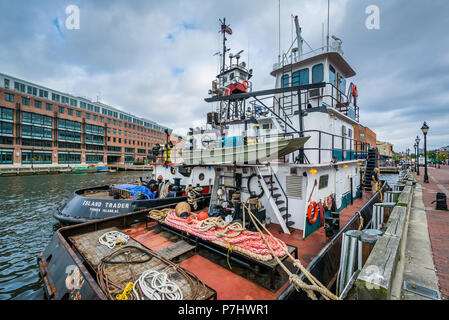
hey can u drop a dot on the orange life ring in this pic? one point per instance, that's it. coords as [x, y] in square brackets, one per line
[245, 84]
[313, 206]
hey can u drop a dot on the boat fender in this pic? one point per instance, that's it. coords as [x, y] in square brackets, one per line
[322, 213]
[245, 84]
[313, 207]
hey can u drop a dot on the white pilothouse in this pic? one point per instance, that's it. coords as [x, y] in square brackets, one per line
[292, 147]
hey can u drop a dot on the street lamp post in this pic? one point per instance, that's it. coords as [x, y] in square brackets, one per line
[425, 129]
[417, 140]
[407, 160]
[415, 146]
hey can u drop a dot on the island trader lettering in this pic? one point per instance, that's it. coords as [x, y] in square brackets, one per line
[107, 205]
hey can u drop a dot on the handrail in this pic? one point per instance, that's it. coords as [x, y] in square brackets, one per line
[283, 192]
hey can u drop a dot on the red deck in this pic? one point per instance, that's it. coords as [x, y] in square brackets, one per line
[230, 285]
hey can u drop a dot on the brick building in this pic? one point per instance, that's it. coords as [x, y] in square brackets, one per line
[365, 135]
[41, 126]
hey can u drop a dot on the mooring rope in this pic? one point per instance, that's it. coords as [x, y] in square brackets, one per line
[194, 195]
[113, 239]
[159, 214]
[294, 278]
[156, 286]
[158, 281]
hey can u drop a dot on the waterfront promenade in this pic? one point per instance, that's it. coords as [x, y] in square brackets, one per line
[438, 223]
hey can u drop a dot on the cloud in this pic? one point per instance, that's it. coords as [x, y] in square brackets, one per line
[146, 58]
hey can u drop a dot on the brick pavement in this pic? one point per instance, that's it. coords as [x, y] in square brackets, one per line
[438, 223]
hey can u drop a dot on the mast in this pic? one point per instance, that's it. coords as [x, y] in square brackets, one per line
[224, 29]
[328, 28]
[298, 36]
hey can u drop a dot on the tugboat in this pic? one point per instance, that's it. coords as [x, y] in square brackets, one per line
[166, 185]
[283, 166]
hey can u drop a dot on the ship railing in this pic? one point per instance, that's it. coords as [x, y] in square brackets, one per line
[327, 95]
[323, 147]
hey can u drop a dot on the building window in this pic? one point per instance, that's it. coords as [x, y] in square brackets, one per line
[87, 115]
[61, 110]
[25, 101]
[70, 112]
[95, 117]
[6, 83]
[317, 73]
[49, 106]
[101, 119]
[9, 97]
[19, 86]
[66, 158]
[73, 102]
[78, 114]
[362, 136]
[6, 113]
[33, 157]
[55, 97]
[115, 123]
[6, 156]
[43, 93]
[6, 128]
[90, 158]
[37, 104]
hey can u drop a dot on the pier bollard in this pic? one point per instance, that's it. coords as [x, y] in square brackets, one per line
[369, 238]
[350, 258]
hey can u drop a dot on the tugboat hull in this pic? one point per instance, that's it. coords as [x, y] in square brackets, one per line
[81, 209]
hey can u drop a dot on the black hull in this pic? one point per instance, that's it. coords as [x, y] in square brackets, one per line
[79, 209]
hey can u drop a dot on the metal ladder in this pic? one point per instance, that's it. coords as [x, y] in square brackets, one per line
[280, 207]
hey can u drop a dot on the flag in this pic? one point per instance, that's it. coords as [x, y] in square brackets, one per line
[225, 28]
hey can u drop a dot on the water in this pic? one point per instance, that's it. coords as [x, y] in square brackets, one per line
[27, 224]
[390, 178]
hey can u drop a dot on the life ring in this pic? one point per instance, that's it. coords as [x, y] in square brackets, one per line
[313, 206]
[245, 84]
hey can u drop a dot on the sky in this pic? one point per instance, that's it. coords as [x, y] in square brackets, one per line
[155, 59]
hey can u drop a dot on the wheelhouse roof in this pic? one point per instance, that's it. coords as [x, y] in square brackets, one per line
[334, 58]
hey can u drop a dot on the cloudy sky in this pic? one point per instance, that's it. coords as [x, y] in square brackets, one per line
[155, 59]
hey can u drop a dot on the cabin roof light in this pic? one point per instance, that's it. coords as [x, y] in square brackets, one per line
[313, 171]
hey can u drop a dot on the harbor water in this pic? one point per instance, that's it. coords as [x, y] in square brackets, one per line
[27, 223]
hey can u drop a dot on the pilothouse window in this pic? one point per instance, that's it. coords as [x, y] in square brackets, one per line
[300, 78]
[317, 73]
[285, 80]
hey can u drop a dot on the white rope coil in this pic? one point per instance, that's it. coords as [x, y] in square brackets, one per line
[113, 238]
[156, 286]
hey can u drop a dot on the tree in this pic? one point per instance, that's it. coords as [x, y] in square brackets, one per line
[442, 157]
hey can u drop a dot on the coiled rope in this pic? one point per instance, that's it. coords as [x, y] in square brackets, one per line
[113, 239]
[115, 291]
[159, 214]
[164, 188]
[156, 286]
[194, 195]
[295, 279]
